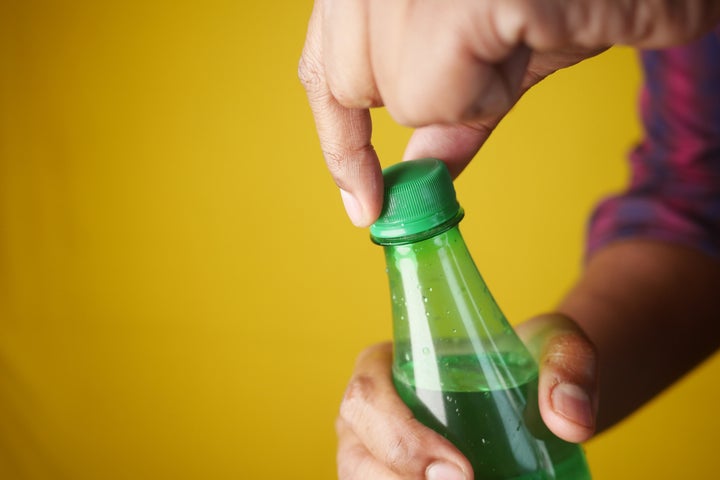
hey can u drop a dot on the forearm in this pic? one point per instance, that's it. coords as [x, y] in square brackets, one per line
[653, 312]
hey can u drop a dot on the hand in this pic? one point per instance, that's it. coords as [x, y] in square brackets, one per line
[454, 69]
[380, 439]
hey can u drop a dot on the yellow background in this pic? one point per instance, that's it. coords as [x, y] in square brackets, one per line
[181, 295]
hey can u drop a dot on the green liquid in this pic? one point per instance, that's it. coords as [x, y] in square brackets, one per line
[500, 431]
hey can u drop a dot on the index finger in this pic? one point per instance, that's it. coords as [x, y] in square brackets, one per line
[345, 134]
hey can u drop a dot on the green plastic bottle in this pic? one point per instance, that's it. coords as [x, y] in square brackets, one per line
[457, 362]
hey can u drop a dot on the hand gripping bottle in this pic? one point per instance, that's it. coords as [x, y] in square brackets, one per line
[457, 362]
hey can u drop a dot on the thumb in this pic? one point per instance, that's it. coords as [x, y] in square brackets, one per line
[568, 384]
[455, 144]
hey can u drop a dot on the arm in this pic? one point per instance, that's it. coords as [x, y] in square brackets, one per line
[651, 309]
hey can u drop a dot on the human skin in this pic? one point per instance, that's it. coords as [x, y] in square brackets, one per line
[453, 70]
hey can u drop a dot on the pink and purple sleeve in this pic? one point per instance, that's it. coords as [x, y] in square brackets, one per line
[674, 192]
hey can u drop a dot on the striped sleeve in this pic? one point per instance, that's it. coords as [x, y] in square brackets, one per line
[674, 192]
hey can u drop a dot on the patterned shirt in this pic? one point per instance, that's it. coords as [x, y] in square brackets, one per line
[674, 193]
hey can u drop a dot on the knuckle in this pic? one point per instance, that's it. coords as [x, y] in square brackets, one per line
[335, 158]
[358, 396]
[345, 161]
[573, 353]
[318, 80]
[310, 73]
[399, 451]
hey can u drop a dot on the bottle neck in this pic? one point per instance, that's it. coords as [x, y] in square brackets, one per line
[441, 305]
[436, 277]
[426, 274]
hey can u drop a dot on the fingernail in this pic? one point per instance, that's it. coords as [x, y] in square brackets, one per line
[573, 403]
[444, 471]
[352, 207]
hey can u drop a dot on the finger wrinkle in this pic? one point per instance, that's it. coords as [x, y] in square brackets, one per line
[358, 395]
[400, 451]
[339, 159]
[310, 72]
[568, 367]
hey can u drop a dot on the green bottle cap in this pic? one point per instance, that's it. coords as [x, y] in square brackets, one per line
[420, 202]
